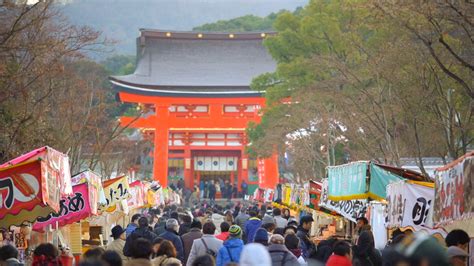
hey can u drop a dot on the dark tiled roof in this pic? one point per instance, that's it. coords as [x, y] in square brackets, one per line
[427, 161]
[183, 60]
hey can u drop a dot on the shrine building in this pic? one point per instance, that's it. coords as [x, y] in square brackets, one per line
[194, 93]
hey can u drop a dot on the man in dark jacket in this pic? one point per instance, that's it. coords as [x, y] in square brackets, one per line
[307, 246]
[171, 234]
[185, 226]
[142, 231]
[160, 226]
[188, 238]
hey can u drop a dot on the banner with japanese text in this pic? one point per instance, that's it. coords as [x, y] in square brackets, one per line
[96, 192]
[137, 195]
[26, 192]
[350, 209]
[348, 181]
[314, 194]
[454, 191]
[410, 204]
[116, 190]
[73, 208]
[56, 162]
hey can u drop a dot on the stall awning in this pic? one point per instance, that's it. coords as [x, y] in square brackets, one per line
[27, 191]
[72, 209]
[96, 195]
[57, 162]
[364, 180]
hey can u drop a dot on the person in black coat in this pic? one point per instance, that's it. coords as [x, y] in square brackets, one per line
[307, 246]
[171, 234]
[185, 225]
[212, 192]
[160, 226]
[325, 249]
[143, 231]
[364, 253]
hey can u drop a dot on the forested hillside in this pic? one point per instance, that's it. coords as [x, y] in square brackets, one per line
[244, 23]
[120, 20]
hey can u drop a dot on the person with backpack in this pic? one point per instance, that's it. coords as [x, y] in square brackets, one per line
[279, 253]
[207, 244]
[232, 248]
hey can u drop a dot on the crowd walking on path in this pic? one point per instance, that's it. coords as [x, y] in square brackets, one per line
[249, 235]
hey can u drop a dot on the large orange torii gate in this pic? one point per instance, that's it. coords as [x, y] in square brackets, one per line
[196, 117]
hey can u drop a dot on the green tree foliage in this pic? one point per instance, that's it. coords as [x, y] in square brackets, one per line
[364, 80]
[244, 24]
[240, 24]
[53, 95]
[120, 64]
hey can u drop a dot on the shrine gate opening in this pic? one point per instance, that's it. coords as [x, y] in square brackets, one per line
[194, 93]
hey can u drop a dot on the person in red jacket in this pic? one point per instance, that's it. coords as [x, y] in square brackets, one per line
[342, 255]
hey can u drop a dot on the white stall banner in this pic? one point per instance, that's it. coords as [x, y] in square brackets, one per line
[350, 209]
[409, 205]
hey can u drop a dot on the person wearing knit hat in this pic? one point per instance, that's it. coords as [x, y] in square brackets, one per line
[232, 248]
[235, 231]
[423, 249]
[261, 236]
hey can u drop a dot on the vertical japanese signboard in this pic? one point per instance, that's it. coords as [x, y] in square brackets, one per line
[454, 190]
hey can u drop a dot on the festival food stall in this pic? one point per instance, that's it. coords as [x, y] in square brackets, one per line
[32, 184]
[366, 183]
[115, 209]
[31, 187]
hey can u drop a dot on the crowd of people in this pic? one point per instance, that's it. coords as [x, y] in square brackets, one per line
[210, 190]
[249, 235]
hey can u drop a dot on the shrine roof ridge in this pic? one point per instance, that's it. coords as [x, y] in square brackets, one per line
[206, 35]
